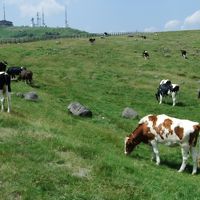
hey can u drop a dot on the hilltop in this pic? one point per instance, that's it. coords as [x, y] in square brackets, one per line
[31, 32]
[46, 153]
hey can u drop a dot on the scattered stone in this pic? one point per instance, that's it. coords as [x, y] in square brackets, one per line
[79, 110]
[31, 96]
[19, 94]
[129, 113]
[82, 173]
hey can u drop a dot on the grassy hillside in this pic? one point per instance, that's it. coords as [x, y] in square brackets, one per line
[45, 153]
[28, 32]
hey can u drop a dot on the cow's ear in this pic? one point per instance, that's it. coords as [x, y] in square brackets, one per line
[198, 127]
[126, 139]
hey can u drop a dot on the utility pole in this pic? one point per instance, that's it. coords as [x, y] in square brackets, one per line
[32, 22]
[4, 11]
[66, 21]
[38, 20]
[43, 23]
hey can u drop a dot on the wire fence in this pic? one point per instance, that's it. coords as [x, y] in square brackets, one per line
[51, 37]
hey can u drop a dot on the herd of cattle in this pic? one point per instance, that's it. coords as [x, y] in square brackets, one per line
[151, 129]
[154, 129]
[6, 75]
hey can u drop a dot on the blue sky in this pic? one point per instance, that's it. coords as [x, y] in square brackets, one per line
[100, 16]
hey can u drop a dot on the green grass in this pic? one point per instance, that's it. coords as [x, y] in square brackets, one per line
[28, 32]
[46, 153]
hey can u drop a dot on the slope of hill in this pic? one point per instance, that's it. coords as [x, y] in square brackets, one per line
[28, 32]
[45, 153]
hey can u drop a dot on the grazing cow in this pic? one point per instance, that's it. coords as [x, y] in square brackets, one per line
[143, 36]
[92, 40]
[167, 88]
[13, 71]
[184, 53]
[5, 90]
[3, 65]
[145, 54]
[26, 75]
[154, 129]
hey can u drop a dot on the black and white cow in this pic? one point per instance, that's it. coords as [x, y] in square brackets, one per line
[145, 54]
[5, 88]
[167, 88]
[92, 40]
[184, 54]
[3, 65]
[15, 70]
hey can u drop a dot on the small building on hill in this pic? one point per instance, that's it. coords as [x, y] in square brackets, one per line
[5, 23]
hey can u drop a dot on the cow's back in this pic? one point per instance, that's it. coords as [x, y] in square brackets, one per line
[168, 129]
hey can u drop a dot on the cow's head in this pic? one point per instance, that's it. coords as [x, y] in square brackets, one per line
[129, 146]
[131, 141]
[141, 134]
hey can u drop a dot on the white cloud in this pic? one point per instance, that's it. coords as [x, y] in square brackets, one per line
[31, 7]
[172, 25]
[192, 21]
[151, 29]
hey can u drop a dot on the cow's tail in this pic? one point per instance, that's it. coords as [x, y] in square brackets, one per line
[198, 161]
[157, 94]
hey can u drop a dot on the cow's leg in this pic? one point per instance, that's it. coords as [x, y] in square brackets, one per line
[185, 155]
[8, 101]
[155, 151]
[161, 97]
[194, 158]
[174, 98]
[2, 100]
[153, 155]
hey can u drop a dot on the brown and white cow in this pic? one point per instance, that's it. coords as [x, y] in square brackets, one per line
[156, 129]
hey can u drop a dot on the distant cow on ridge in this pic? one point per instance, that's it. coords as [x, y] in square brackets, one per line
[92, 40]
[184, 54]
[145, 54]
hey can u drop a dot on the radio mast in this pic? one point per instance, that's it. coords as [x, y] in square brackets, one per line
[43, 23]
[66, 21]
[4, 11]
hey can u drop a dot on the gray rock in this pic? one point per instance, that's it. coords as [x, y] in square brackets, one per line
[79, 110]
[19, 94]
[31, 96]
[129, 113]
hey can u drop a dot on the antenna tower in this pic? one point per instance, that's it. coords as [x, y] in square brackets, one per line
[43, 23]
[66, 21]
[38, 19]
[4, 11]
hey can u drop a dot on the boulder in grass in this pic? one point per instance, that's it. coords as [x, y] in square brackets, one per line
[129, 113]
[79, 110]
[31, 96]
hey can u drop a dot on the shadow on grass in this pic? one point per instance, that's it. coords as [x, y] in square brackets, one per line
[179, 104]
[176, 166]
[170, 164]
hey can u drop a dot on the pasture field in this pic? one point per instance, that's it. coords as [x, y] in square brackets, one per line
[46, 153]
[30, 32]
